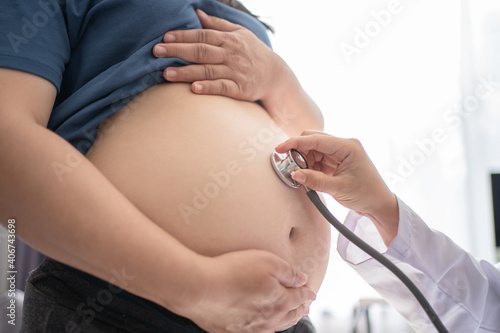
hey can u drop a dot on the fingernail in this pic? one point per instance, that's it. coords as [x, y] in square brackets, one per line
[169, 38]
[171, 73]
[197, 87]
[160, 51]
[299, 177]
[301, 278]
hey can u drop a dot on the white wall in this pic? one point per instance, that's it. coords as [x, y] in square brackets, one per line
[481, 126]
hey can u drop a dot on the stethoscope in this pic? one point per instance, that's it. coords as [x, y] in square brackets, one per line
[285, 165]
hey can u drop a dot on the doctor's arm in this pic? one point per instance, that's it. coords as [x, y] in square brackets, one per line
[82, 220]
[464, 291]
[231, 61]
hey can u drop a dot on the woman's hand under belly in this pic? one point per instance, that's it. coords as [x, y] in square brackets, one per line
[199, 167]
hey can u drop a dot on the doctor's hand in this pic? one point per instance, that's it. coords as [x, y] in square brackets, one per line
[341, 168]
[248, 291]
[228, 59]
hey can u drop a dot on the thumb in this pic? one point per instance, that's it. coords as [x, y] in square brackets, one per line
[315, 180]
[215, 23]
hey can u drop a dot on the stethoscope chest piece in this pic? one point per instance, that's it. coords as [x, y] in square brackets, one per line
[286, 164]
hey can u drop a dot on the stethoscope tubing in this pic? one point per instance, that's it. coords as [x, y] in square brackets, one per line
[434, 318]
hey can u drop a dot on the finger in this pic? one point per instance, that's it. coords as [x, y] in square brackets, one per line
[293, 317]
[298, 314]
[215, 23]
[303, 140]
[210, 34]
[205, 36]
[197, 53]
[294, 298]
[322, 143]
[193, 73]
[284, 147]
[316, 180]
[222, 87]
[287, 275]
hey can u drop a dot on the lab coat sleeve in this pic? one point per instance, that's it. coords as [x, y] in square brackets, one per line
[464, 291]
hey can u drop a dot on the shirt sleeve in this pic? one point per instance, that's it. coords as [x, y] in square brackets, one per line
[464, 291]
[34, 38]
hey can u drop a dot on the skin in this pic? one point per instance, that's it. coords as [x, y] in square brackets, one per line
[241, 283]
[182, 142]
[341, 168]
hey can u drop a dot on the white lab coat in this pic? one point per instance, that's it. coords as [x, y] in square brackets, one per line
[464, 291]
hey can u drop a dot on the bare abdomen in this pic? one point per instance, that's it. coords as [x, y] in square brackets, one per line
[199, 167]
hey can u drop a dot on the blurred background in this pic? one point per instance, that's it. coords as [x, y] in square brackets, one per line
[418, 82]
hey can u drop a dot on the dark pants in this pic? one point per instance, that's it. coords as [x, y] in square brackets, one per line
[61, 299]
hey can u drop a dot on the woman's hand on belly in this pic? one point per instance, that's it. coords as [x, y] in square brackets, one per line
[231, 61]
[248, 291]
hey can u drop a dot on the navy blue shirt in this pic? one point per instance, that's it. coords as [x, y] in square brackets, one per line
[98, 53]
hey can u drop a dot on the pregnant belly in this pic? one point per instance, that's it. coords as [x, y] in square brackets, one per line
[199, 167]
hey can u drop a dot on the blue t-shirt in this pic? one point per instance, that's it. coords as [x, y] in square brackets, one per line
[98, 53]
